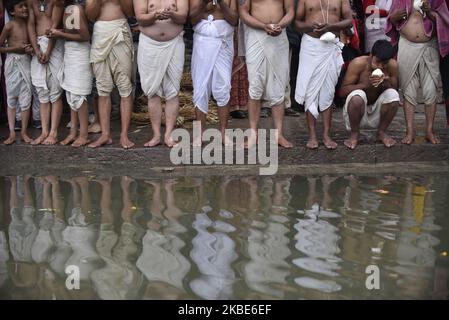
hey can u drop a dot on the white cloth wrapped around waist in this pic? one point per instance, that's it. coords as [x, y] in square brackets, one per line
[18, 67]
[40, 73]
[106, 35]
[161, 65]
[213, 52]
[319, 67]
[76, 73]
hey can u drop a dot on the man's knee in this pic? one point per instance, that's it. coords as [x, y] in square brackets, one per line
[356, 103]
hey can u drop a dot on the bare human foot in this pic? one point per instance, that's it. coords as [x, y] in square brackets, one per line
[126, 143]
[94, 128]
[39, 140]
[25, 138]
[312, 143]
[11, 139]
[50, 140]
[153, 142]
[284, 142]
[329, 143]
[352, 142]
[169, 142]
[409, 138]
[80, 142]
[386, 140]
[432, 138]
[70, 138]
[103, 140]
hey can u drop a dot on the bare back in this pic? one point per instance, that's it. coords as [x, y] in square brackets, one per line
[162, 30]
[413, 30]
[110, 10]
[267, 11]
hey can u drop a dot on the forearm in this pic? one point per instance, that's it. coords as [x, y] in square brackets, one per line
[147, 19]
[73, 37]
[287, 20]
[231, 16]
[250, 21]
[342, 25]
[179, 17]
[93, 9]
[32, 36]
[346, 90]
[304, 27]
[18, 50]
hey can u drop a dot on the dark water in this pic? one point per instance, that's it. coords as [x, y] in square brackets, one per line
[280, 237]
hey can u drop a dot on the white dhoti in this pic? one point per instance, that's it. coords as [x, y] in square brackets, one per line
[76, 74]
[44, 76]
[319, 67]
[371, 117]
[161, 66]
[18, 80]
[268, 65]
[212, 57]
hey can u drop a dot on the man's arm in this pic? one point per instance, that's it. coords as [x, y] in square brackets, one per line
[31, 28]
[93, 9]
[230, 12]
[392, 80]
[247, 18]
[83, 32]
[196, 9]
[346, 21]
[351, 79]
[127, 7]
[144, 19]
[289, 8]
[300, 24]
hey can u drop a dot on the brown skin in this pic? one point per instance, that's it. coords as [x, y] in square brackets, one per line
[271, 16]
[224, 10]
[310, 20]
[80, 35]
[358, 77]
[162, 20]
[413, 31]
[16, 35]
[108, 10]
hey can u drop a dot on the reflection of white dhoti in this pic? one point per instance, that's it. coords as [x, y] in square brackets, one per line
[212, 57]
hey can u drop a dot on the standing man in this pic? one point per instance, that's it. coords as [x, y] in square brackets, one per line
[212, 57]
[320, 61]
[45, 15]
[267, 48]
[160, 60]
[423, 33]
[112, 56]
[371, 101]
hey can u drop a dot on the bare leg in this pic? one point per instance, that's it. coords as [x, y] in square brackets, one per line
[311, 123]
[95, 126]
[45, 109]
[104, 109]
[430, 118]
[387, 113]
[200, 116]
[356, 110]
[155, 111]
[253, 115]
[278, 118]
[73, 129]
[127, 209]
[11, 120]
[56, 112]
[126, 107]
[409, 110]
[171, 113]
[223, 117]
[83, 116]
[25, 119]
[327, 122]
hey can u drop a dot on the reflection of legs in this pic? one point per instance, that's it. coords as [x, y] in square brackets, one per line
[171, 113]
[105, 202]
[155, 111]
[46, 195]
[126, 107]
[172, 212]
[311, 196]
[156, 206]
[387, 113]
[327, 198]
[127, 209]
[253, 200]
[28, 197]
[13, 201]
[281, 196]
[278, 118]
[85, 202]
[56, 196]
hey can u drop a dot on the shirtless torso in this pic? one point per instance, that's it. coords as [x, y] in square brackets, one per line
[199, 10]
[167, 25]
[45, 15]
[413, 30]
[316, 14]
[267, 11]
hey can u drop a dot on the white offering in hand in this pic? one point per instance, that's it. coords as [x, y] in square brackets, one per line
[328, 37]
[417, 4]
[377, 73]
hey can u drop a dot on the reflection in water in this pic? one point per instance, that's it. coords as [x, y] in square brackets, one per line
[224, 237]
